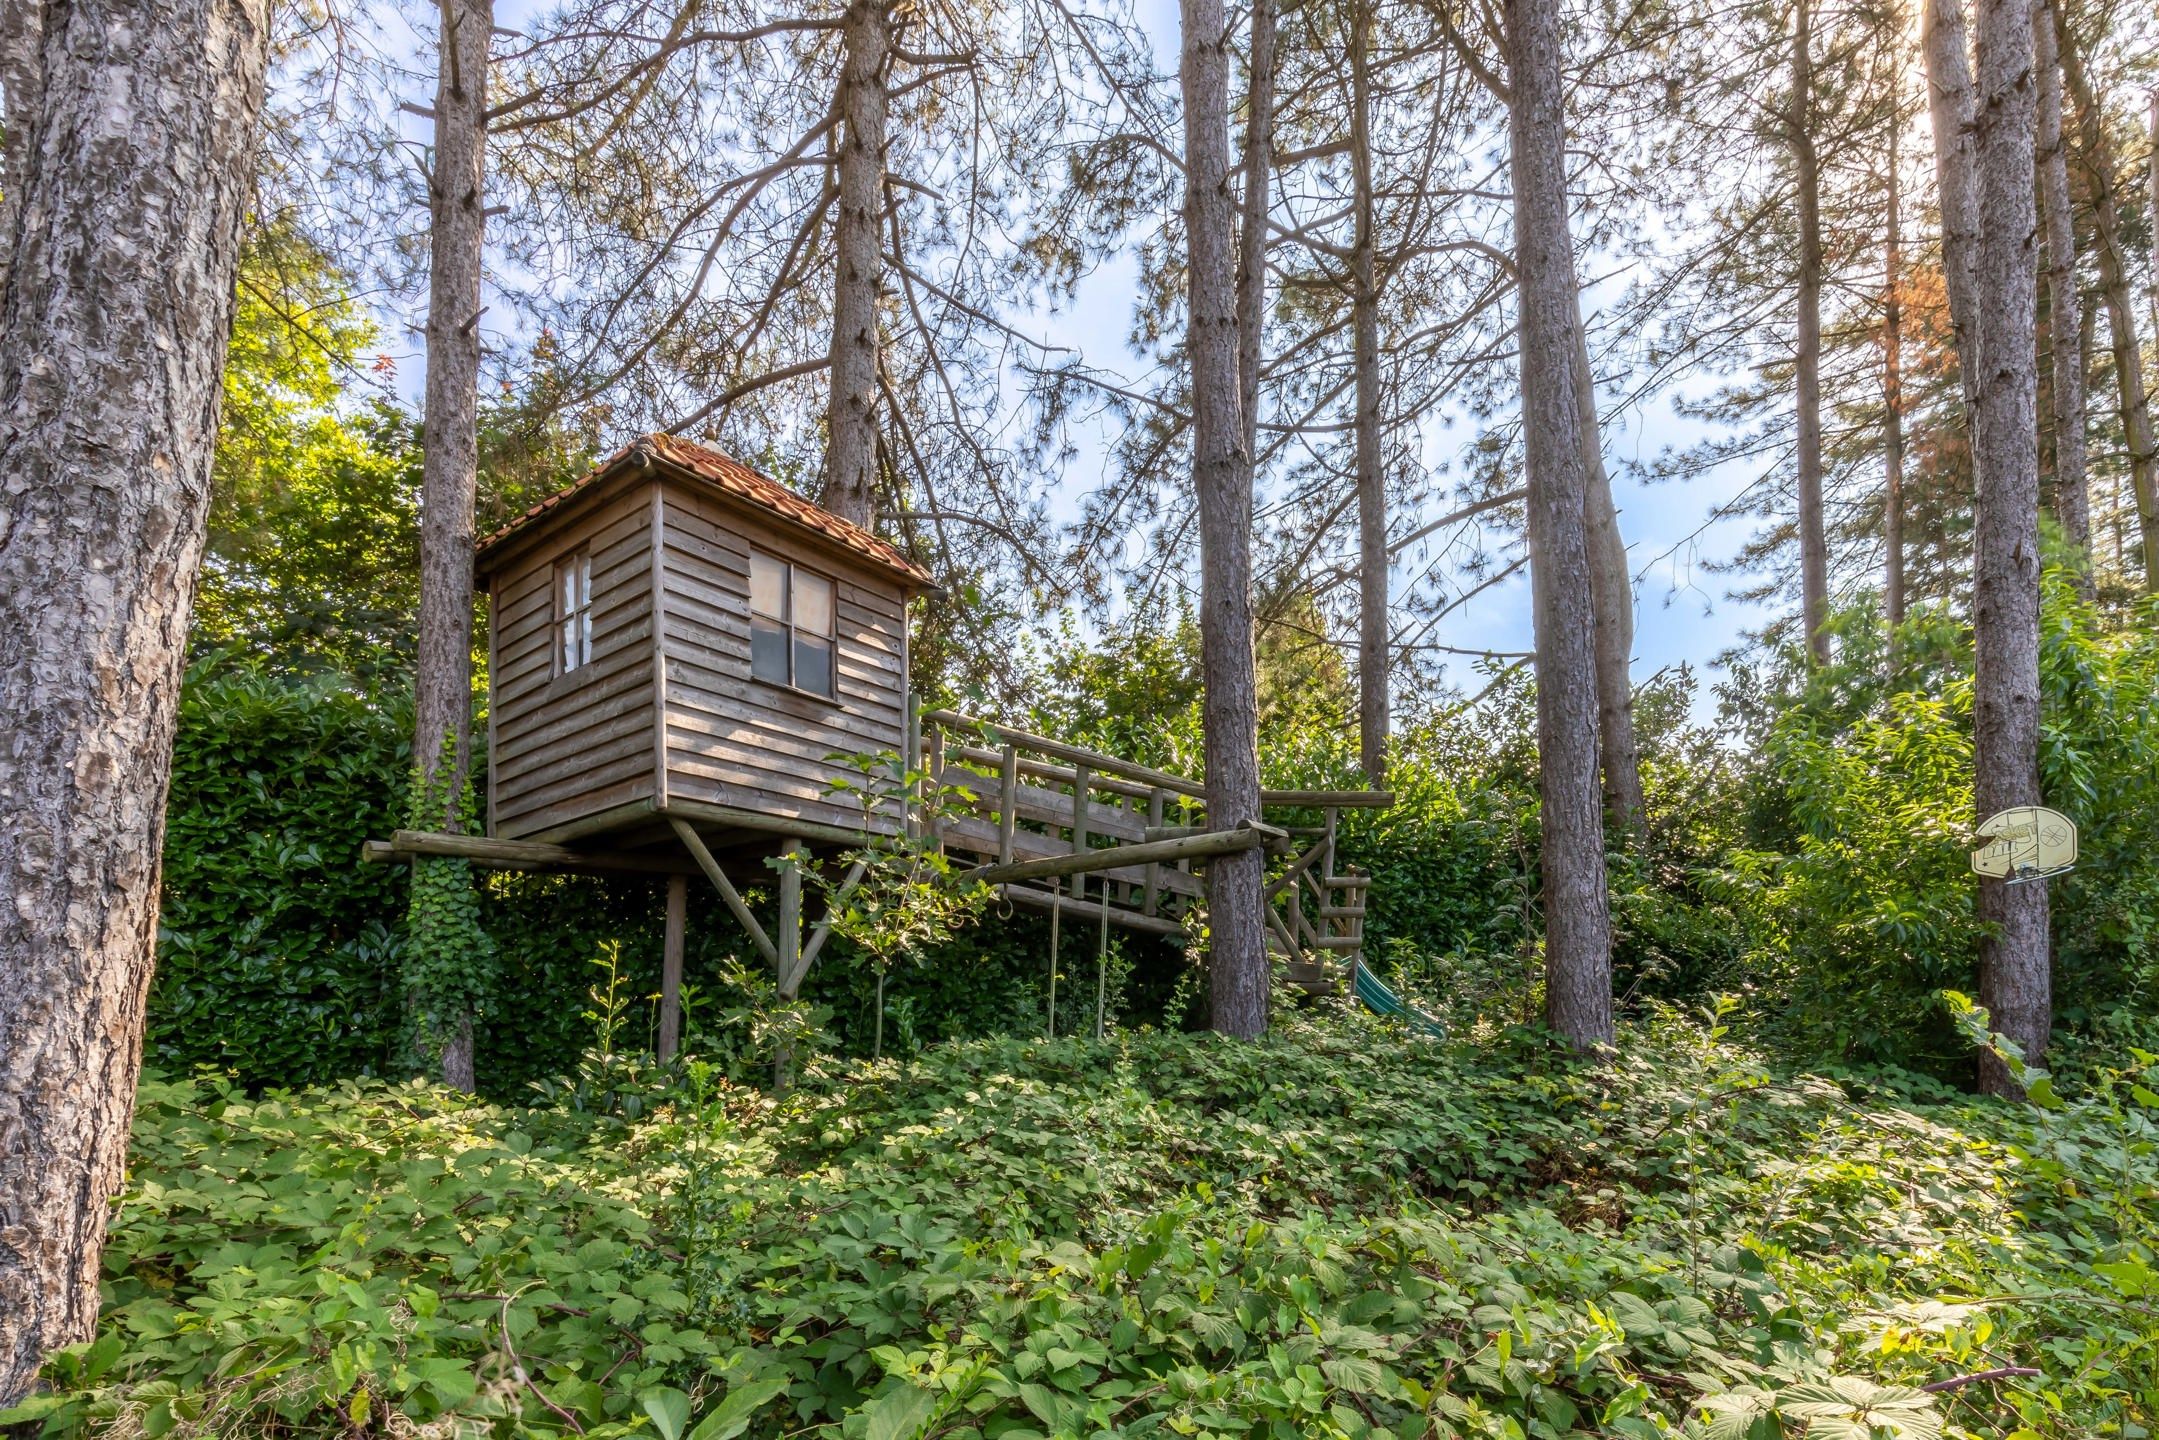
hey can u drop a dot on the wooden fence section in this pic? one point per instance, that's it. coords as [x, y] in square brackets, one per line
[1014, 796]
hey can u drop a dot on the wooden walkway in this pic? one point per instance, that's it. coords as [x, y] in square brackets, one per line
[1055, 825]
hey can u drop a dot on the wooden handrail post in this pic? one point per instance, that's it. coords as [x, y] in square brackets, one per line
[1008, 801]
[911, 763]
[1081, 777]
[1154, 869]
[933, 761]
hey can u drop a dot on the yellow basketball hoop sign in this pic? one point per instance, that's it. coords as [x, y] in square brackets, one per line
[2025, 842]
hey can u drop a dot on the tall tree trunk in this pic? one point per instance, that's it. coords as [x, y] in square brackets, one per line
[1611, 590]
[1893, 583]
[858, 271]
[1221, 476]
[442, 691]
[2014, 975]
[2096, 157]
[1949, 106]
[1806, 165]
[2072, 495]
[132, 143]
[1577, 916]
[2151, 180]
[22, 64]
[1374, 704]
[1252, 229]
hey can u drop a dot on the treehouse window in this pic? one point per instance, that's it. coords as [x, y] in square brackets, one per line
[573, 612]
[790, 625]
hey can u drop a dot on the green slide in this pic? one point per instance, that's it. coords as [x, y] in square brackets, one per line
[1379, 998]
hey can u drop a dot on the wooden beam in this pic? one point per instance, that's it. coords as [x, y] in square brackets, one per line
[1297, 867]
[1186, 847]
[1336, 799]
[1129, 919]
[1275, 834]
[739, 819]
[678, 901]
[695, 844]
[492, 854]
[1072, 754]
[789, 961]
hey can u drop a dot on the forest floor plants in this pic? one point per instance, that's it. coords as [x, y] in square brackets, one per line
[1341, 1231]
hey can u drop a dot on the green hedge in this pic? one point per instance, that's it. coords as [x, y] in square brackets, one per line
[279, 951]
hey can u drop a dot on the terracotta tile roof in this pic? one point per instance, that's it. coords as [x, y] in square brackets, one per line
[737, 479]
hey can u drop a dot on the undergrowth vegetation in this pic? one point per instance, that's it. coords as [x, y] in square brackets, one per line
[1342, 1231]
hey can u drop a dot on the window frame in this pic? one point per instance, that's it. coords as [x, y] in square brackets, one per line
[789, 629]
[576, 562]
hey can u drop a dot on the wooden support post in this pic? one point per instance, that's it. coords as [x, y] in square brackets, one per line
[933, 763]
[789, 959]
[1008, 802]
[1080, 779]
[1154, 869]
[678, 900]
[1101, 968]
[911, 763]
[735, 903]
[1056, 915]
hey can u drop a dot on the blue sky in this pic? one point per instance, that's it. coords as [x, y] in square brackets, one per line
[1683, 613]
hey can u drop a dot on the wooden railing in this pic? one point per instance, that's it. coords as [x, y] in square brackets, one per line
[1029, 798]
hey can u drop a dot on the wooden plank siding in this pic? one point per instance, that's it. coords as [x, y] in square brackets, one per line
[566, 746]
[734, 740]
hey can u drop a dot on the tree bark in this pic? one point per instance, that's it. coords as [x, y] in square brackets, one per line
[1893, 582]
[442, 686]
[1949, 105]
[1577, 918]
[2095, 157]
[1611, 590]
[1807, 171]
[1237, 942]
[22, 66]
[132, 143]
[1252, 234]
[2072, 495]
[858, 268]
[2015, 982]
[1374, 705]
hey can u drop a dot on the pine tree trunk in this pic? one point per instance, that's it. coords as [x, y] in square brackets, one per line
[858, 270]
[1237, 941]
[442, 687]
[22, 64]
[1252, 231]
[1577, 918]
[2072, 496]
[1373, 700]
[1949, 105]
[2095, 157]
[1806, 165]
[130, 163]
[1611, 589]
[2014, 969]
[1893, 582]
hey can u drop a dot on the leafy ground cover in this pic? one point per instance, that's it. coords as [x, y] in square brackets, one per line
[1344, 1231]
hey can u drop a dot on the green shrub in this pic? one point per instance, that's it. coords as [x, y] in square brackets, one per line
[1343, 1231]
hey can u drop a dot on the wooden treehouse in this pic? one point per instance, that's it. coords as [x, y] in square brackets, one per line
[684, 654]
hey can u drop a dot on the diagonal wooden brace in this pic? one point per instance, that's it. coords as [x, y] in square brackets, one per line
[735, 903]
